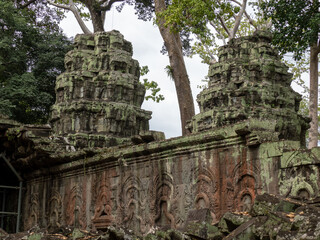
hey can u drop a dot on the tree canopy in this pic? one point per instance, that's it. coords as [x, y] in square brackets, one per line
[32, 50]
[211, 22]
[295, 24]
[295, 29]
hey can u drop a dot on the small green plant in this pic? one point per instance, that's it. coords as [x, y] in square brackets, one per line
[169, 72]
[12, 133]
[151, 86]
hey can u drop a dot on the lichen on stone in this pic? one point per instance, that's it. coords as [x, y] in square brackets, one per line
[250, 82]
[99, 97]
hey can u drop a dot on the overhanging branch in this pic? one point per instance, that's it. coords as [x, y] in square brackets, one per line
[71, 7]
[238, 20]
[106, 6]
[251, 21]
[26, 4]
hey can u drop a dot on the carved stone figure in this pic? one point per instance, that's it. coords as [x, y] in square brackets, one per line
[103, 216]
[74, 213]
[54, 213]
[206, 189]
[161, 197]
[132, 205]
[32, 218]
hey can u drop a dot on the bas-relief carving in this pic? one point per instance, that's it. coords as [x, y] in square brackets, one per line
[103, 216]
[160, 197]
[206, 190]
[230, 195]
[302, 181]
[181, 203]
[246, 185]
[132, 205]
[32, 217]
[75, 209]
[54, 210]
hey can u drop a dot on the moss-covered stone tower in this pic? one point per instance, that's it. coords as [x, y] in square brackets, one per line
[250, 82]
[99, 96]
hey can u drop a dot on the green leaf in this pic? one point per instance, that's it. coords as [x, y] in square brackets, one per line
[151, 87]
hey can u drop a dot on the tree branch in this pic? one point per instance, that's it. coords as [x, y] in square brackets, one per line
[224, 25]
[219, 32]
[238, 20]
[27, 4]
[71, 7]
[251, 21]
[213, 59]
[58, 5]
[109, 5]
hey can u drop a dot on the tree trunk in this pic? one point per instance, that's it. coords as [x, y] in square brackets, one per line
[97, 19]
[313, 98]
[173, 44]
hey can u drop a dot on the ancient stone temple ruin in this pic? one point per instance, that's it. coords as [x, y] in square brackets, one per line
[99, 96]
[100, 166]
[251, 82]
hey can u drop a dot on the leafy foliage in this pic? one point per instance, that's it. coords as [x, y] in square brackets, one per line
[298, 68]
[151, 86]
[211, 22]
[32, 50]
[295, 24]
[295, 29]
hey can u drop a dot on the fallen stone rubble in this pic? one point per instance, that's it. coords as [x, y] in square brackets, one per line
[76, 234]
[271, 217]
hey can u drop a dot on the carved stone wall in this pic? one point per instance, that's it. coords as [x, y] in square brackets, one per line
[247, 140]
[159, 184]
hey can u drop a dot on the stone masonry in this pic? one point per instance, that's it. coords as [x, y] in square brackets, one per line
[247, 140]
[99, 96]
[250, 82]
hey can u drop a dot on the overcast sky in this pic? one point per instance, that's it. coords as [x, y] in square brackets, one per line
[147, 43]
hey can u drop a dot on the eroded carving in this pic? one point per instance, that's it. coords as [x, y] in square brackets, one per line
[132, 205]
[33, 214]
[75, 214]
[246, 183]
[205, 190]
[103, 211]
[54, 214]
[161, 195]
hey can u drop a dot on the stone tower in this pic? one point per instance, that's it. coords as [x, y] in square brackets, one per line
[249, 82]
[99, 96]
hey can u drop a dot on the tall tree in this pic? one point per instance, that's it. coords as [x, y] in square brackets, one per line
[173, 45]
[295, 28]
[32, 50]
